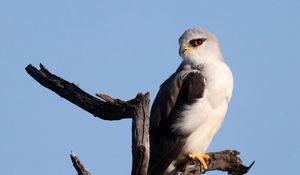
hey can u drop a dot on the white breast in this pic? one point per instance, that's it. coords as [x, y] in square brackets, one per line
[202, 120]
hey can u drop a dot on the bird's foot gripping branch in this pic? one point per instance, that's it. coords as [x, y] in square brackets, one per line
[108, 108]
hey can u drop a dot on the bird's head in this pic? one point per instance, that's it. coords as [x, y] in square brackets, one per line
[198, 46]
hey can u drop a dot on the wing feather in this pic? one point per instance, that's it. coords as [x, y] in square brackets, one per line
[184, 87]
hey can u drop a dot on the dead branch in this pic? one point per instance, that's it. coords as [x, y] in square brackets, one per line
[108, 108]
[113, 109]
[227, 160]
[78, 165]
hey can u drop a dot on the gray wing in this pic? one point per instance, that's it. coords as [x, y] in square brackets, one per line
[182, 88]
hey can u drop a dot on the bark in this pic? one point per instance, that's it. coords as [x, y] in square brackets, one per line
[227, 160]
[108, 108]
[78, 165]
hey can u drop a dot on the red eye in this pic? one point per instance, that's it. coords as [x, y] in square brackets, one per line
[197, 42]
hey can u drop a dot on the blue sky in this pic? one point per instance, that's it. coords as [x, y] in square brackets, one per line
[125, 47]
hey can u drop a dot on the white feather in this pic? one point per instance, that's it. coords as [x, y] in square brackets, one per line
[202, 120]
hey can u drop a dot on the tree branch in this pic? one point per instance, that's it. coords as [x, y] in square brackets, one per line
[78, 165]
[140, 136]
[227, 160]
[108, 108]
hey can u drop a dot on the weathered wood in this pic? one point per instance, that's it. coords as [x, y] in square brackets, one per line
[78, 165]
[108, 108]
[140, 136]
[227, 160]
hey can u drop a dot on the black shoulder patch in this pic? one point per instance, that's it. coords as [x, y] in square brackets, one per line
[193, 87]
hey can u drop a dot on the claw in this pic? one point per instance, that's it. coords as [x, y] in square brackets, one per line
[202, 158]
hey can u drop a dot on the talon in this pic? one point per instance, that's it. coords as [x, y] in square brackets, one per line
[202, 158]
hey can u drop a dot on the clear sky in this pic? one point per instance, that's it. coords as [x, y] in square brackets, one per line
[125, 47]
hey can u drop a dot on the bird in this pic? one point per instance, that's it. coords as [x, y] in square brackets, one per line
[190, 105]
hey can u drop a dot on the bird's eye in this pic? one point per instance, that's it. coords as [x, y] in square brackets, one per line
[197, 42]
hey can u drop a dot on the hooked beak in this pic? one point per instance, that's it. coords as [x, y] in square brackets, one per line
[183, 48]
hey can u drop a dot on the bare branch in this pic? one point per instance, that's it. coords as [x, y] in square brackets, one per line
[140, 136]
[227, 160]
[106, 98]
[106, 109]
[78, 165]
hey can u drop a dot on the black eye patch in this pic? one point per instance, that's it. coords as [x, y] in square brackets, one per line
[197, 42]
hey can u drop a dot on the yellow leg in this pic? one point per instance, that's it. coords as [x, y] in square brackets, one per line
[202, 158]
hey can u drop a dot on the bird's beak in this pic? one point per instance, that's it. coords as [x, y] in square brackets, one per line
[183, 48]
